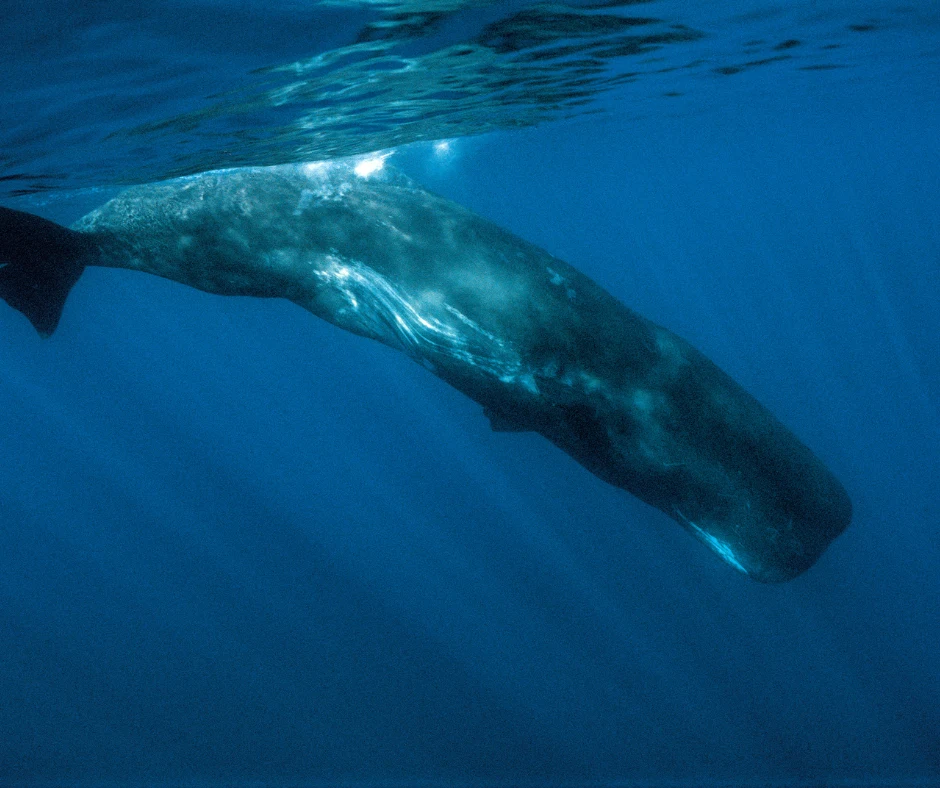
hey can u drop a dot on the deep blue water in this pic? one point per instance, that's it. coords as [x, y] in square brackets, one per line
[238, 544]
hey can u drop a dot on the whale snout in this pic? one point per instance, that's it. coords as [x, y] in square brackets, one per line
[791, 541]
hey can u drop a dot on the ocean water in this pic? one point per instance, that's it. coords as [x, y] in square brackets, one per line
[239, 546]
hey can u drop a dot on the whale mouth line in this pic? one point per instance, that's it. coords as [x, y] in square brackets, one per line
[718, 546]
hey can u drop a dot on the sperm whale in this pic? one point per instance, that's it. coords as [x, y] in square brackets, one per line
[539, 345]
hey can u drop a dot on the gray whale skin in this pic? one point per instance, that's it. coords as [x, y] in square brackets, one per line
[539, 345]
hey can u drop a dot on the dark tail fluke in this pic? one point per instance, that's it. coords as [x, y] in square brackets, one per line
[39, 262]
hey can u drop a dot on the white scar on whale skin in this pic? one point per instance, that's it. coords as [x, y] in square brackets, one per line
[377, 308]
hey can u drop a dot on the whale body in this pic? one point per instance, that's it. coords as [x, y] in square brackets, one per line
[538, 344]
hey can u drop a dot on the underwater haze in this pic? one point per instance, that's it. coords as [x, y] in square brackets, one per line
[239, 546]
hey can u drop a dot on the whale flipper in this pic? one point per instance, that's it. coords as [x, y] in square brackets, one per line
[40, 261]
[506, 421]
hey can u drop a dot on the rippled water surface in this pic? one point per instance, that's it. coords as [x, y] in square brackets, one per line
[117, 92]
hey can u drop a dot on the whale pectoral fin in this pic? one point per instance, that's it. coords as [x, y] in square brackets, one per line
[501, 421]
[40, 261]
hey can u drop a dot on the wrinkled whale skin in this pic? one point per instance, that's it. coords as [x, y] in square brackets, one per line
[539, 345]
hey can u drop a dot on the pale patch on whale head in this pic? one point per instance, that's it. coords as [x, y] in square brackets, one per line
[643, 401]
[558, 280]
[670, 351]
